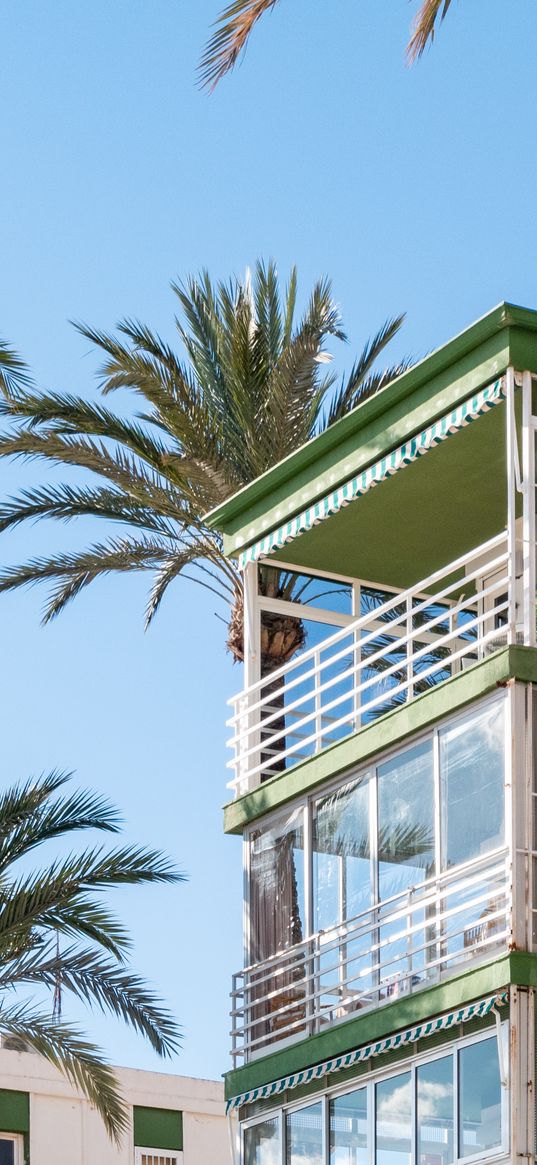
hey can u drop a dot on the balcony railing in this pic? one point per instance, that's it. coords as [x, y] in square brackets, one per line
[396, 947]
[414, 640]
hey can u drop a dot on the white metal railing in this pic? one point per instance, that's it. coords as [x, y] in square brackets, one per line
[395, 947]
[381, 659]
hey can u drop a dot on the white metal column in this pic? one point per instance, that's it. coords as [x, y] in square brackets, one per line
[528, 523]
[511, 499]
[522, 1068]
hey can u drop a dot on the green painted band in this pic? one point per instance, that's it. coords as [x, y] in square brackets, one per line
[390, 1043]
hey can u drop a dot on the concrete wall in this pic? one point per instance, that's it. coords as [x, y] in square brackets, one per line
[65, 1130]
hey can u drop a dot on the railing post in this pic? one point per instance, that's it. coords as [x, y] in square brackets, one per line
[409, 650]
[528, 503]
[318, 701]
[511, 457]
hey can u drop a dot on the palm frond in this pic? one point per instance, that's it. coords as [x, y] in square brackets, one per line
[431, 13]
[14, 375]
[361, 382]
[97, 981]
[233, 29]
[79, 1060]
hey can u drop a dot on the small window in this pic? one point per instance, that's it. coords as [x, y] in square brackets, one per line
[156, 1157]
[10, 1149]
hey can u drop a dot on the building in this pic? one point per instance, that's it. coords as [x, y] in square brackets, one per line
[383, 777]
[176, 1120]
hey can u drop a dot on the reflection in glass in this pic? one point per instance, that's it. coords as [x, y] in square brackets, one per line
[305, 1136]
[341, 857]
[262, 1143]
[348, 1129]
[435, 1112]
[277, 886]
[405, 858]
[472, 765]
[479, 1098]
[342, 889]
[394, 1121]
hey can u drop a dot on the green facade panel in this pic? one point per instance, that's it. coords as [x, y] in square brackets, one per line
[14, 1111]
[515, 968]
[158, 1128]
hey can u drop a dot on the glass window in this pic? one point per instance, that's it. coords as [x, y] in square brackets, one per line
[348, 1129]
[435, 1112]
[330, 594]
[263, 1144]
[7, 1152]
[394, 1121]
[479, 1098]
[472, 766]
[277, 886]
[406, 858]
[305, 1136]
[341, 857]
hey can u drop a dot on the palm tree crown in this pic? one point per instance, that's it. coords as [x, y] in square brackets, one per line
[65, 900]
[252, 386]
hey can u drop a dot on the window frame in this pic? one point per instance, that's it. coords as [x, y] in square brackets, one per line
[17, 1140]
[373, 1078]
[369, 772]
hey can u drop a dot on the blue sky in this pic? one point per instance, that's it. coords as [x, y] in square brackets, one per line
[413, 189]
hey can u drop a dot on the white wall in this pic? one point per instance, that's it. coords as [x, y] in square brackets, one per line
[65, 1130]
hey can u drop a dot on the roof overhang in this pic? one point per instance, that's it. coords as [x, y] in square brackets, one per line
[442, 381]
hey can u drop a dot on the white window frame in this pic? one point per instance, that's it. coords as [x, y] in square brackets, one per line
[370, 1081]
[175, 1156]
[18, 1141]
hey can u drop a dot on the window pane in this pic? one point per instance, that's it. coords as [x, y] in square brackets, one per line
[330, 594]
[406, 852]
[7, 1152]
[394, 1121]
[472, 766]
[276, 908]
[479, 1098]
[305, 1136]
[262, 1144]
[277, 886]
[435, 1112]
[341, 859]
[348, 1129]
[342, 891]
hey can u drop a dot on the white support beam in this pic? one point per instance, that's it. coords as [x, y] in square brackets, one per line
[528, 500]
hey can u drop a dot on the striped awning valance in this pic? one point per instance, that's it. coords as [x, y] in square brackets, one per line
[356, 487]
[421, 1031]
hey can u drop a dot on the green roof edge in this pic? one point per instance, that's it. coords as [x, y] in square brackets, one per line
[504, 315]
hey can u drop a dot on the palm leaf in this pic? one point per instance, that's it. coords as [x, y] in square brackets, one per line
[431, 13]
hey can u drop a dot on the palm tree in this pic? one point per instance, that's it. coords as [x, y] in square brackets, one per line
[64, 899]
[236, 22]
[252, 389]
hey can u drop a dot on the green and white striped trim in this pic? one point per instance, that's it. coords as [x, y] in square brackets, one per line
[464, 413]
[401, 1039]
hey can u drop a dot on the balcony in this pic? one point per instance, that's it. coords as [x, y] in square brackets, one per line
[401, 945]
[406, 643]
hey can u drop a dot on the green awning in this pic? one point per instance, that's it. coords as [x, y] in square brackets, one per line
[421, 1031]
[464, 413]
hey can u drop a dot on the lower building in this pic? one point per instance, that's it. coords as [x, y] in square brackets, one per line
[175, 1120]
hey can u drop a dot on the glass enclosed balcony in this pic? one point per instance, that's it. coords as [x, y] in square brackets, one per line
[385, 882]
